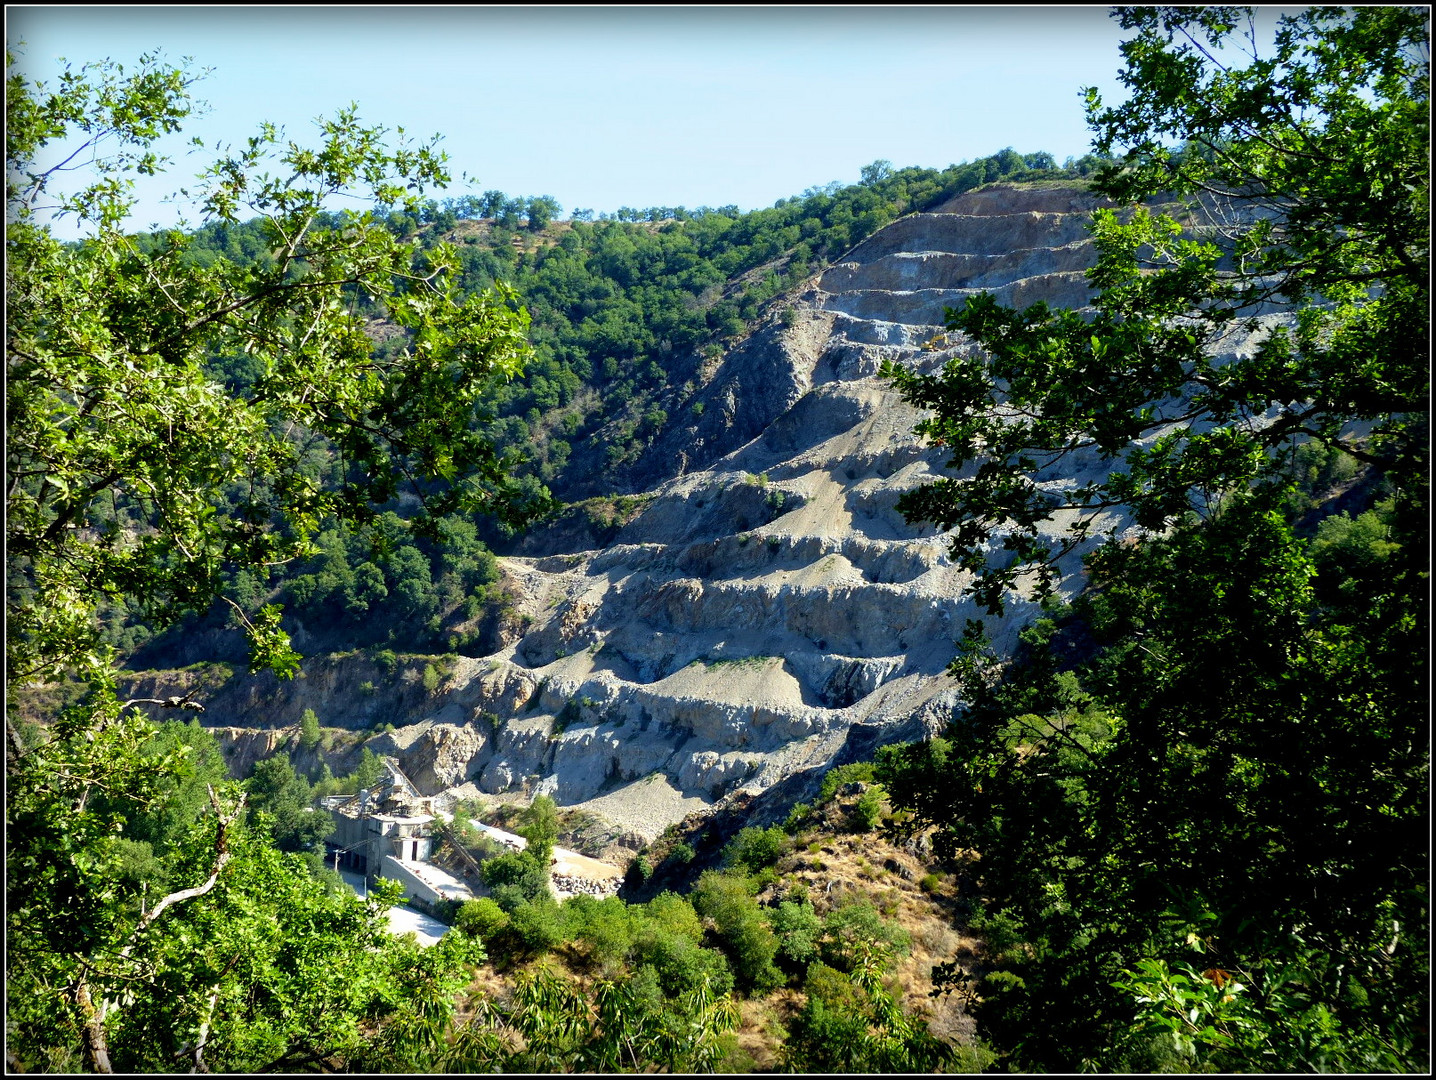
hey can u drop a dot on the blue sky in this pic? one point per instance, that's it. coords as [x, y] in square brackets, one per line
[603, 107]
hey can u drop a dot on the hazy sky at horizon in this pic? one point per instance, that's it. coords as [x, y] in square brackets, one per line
[603, 107]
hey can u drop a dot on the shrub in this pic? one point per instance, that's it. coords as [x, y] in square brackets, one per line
[727, 898]
[680, 964]
[846, 1028]
[797, 818]
[446, 911]
[639, 870]
[537, 926]
[674, 913]
[137, 864]
[833, 988]
[538, 824]
[567, 716]
[682, 852]
[367, 773]
[605, 926]
[473, 809]
[823, 1038]
[844, 774]
[480, 846]
[868, 810]
[519, 875]
[849, 929]
[755, 849]
[646, 993]
[765, 877]
[508, 897]
[309, 732]
[481, 918]
[732, 1057]
[798, 928]
[929, 883]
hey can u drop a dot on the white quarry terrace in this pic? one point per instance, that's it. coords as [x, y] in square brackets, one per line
[767, 605]
[761, 606]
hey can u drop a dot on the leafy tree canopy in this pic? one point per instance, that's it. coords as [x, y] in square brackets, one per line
[1308, 179]
[277, 791]
[137, 471]
[133, 472]
[1199, 797]
[539, 826]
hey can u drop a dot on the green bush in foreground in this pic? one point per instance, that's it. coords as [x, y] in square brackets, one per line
[481, 918]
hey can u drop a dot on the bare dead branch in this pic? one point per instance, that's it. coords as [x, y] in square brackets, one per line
[95, 1050]
[222, 856]
[174, 701]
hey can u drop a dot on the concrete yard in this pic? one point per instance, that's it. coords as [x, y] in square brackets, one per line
[402, 919]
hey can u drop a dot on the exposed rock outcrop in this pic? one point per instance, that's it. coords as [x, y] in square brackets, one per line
[768, 609]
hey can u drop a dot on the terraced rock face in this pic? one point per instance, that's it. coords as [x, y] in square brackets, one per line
[769, 598]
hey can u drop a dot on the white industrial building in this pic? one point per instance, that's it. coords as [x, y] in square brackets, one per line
[389, 831]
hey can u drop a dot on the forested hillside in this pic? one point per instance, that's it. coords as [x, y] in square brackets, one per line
[625, 310]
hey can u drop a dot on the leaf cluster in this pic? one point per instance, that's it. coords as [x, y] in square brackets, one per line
[1196, 799]
[134, 473]
[1299, 234]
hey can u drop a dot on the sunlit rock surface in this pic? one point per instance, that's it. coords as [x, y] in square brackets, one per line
[769, 597]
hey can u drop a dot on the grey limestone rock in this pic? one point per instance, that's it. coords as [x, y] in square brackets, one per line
[768, 611]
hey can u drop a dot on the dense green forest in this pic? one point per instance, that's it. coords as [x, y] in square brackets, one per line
[1189, 817]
